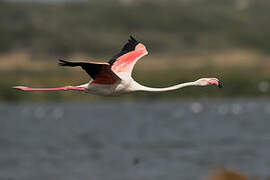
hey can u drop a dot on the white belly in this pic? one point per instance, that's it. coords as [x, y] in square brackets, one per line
[110, 89]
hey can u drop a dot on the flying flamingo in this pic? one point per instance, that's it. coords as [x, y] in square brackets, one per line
[114, 77]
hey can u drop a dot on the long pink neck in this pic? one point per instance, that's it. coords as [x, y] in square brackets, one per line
[65, 88]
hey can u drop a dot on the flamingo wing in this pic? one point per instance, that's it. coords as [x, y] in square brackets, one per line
[101, 73]
[124, 61]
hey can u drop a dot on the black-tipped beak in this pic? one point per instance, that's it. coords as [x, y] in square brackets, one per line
[220, 85]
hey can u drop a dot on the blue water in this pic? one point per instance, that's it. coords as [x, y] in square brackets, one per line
[135, 141]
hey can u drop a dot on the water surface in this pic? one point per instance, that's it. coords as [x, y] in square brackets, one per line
[134, 141]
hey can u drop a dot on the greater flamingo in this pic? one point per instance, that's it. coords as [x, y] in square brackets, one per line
[114, 77]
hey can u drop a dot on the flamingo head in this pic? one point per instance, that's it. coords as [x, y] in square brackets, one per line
[208, 81]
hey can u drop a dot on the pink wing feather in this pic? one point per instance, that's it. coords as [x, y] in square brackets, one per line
[126, 62]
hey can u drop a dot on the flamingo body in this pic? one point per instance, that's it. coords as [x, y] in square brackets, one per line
[114, 78]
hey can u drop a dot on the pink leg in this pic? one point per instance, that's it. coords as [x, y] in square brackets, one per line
[65, 88]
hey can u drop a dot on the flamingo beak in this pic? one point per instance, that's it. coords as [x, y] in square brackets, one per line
[215, 82]
[220, 85]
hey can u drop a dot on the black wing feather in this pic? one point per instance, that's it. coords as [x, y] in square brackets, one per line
[129, 46]
[92, 69]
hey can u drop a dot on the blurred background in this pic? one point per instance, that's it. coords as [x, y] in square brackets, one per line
[186, 40]
[185, 134]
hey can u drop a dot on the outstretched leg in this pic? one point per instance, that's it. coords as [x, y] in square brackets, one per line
[65, 88]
